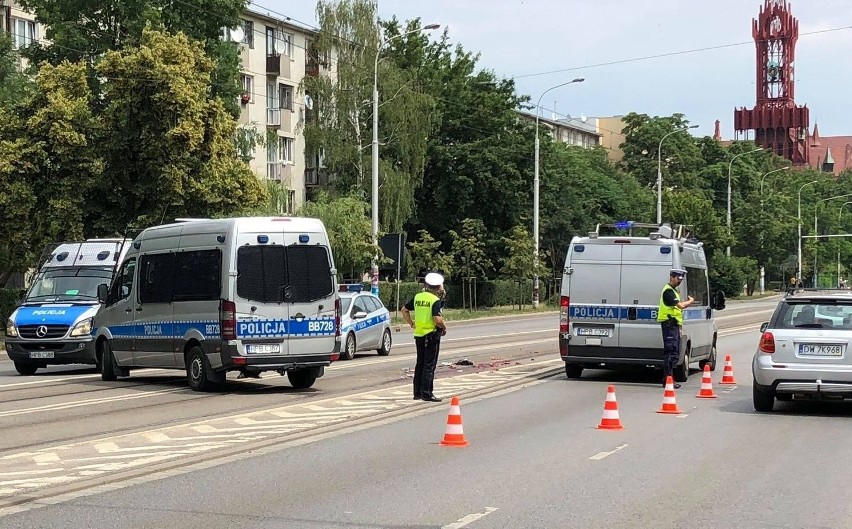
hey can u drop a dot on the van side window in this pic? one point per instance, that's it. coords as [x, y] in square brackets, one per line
[261, 273]
[696, 285]
[198, 275]
[309, 273]
[155, 279]
[123, 284]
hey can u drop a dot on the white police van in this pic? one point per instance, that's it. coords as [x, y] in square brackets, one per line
[611, 288]
[211, 296]
[53, 323]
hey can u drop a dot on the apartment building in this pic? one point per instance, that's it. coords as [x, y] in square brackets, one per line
[20, 25]
[572, 131]
[276, 55]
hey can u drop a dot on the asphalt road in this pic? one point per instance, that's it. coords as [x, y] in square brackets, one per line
[377, 463]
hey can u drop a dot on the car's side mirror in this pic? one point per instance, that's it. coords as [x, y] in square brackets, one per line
[763, 326]
[719, 300]
[103, 291]
[359, 315]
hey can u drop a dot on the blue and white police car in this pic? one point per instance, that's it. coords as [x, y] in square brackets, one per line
[364, 323]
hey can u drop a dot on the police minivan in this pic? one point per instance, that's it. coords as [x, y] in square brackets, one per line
[53, 323]
[611, 289]
[212, 296]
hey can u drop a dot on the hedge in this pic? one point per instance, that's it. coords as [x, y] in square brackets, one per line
[488, 293]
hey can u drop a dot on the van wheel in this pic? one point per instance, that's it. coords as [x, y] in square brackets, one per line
[384, 350]
[763, 402]
[681, 372]
[199, 374]
[711, 361]
[108, 371]
[302, 378]
[350, 347]
[573, 370]
[26, 368]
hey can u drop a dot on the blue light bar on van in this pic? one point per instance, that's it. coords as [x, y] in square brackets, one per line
[304, 238]
[263, 239]
[350, 288]
[624, 224]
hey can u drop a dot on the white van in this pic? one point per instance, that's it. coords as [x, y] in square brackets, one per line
[611, 288]
[211, 296]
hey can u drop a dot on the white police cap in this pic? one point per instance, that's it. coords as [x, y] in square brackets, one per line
[679, 272]
[434, 280]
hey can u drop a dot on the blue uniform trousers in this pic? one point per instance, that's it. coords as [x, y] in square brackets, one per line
[671, 346]
[427, 361]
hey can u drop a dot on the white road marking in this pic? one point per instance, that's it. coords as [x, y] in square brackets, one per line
[87, 402]
[470, 518]
[601, 455]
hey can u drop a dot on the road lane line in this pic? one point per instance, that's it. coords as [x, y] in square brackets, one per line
[470, 518]
[601, 455]
[78, 403]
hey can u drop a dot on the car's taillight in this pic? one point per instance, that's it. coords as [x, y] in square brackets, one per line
[564, 304]
[337, 317]
[228, 320]
[767, 343]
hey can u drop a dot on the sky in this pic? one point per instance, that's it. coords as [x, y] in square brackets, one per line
[543, 43]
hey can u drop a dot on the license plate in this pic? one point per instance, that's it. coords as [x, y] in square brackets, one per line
[264, 348]
[820, 350]
[592, 331]
[41, 354]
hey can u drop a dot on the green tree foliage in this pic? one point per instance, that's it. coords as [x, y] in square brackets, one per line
[468, 250]
[425, 254]
[519, 259]
[85, 32]
[349, 230]
[13, 83]
[170, 147]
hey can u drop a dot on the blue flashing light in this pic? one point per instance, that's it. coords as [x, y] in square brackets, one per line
[103, 255]
[579, 248]
[624, 224]
[137, 244]
[220, 238]
[304, 238]
[62, 256]
[354, 287]
[665, 249]
[263, 239]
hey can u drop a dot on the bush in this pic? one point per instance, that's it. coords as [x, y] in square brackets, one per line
[9, 299]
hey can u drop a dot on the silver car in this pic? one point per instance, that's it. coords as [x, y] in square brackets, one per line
[805, 350]
[364, 323]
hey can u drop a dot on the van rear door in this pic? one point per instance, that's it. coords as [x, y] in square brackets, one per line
[644, 271]
[594, 279]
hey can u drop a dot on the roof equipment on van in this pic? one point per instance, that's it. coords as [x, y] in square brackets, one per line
[666, 230]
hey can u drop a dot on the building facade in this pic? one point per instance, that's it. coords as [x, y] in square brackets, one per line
[571, 131]
[20, 25]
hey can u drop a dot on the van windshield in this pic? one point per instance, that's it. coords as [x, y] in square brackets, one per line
[275, 274]
[68, 284]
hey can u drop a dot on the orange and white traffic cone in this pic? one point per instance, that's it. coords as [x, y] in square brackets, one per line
[454, 436]
[669, 400]
[706, 391]
[610, 420]
[728, 373]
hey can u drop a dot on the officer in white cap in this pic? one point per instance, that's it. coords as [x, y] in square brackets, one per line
[429, 326]
[670, 317]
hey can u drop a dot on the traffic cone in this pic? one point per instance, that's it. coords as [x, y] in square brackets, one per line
[728, 373]
[610, 420]
[669, 401]
[454, 435]
[706, 391]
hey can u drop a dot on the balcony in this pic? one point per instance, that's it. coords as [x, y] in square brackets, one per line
[273, 117]
[315, 177]
[280, 171]
[312, 68]
[273, 65]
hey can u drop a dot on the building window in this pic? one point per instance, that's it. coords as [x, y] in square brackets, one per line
[278, 43]
[248, 88]
[286, 96]
[23, 33]
[285, 150]
[286, 44]
[248, 33]
[271, 96]
[271, 49]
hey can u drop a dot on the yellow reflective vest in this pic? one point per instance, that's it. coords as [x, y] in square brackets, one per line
[664, 311]
[423, 321]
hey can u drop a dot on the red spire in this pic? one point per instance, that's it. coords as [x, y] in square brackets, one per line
[815, 136]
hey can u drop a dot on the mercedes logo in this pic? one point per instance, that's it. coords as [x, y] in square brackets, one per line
[41, 331]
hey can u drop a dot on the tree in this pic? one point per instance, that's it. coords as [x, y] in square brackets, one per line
[425, 254]
[468, 250]
[170, 148]
[85, 32]
[349, 230]
[13, 83]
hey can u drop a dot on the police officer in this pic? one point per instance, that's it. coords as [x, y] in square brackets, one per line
[428, 325]
[670, 316]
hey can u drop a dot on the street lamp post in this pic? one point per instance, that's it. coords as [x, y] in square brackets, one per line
[839, 215]
[799, 216]
[730, 166]
[762, 271]
[535, 190]
[816, 207]
[374, 267]
[660, 171]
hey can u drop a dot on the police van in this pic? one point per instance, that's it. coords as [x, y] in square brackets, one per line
[611, 290]
[212, 296]
[53, 323]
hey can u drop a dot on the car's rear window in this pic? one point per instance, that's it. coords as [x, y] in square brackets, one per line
[815, 314]
[275, 274]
